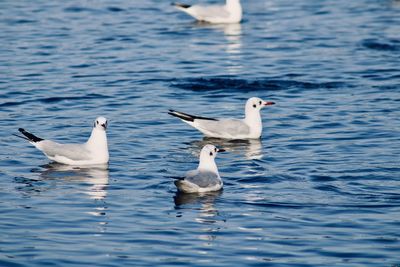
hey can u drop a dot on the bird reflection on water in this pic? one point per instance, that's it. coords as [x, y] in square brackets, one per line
[55, 176]
[96, 176]
[232, 45]
[208, 215]
[251, 149]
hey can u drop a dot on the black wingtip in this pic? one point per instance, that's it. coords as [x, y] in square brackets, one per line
[173, 114]
[177, 177]
[181, 115]
[180, 5]
[30, 137]
[188, 117]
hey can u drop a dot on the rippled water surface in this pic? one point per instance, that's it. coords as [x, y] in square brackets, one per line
[321, 187]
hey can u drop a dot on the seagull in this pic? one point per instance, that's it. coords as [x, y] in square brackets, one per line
[248, 128]
[231, 12]
[93, 152]
[206, 177]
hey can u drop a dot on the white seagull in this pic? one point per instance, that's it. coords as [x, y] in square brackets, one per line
[93, 152]
[206, 177]
[231, 12]
[248, 128]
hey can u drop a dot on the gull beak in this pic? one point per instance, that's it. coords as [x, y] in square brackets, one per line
[220, 150]
[104, 125]
[269, 103]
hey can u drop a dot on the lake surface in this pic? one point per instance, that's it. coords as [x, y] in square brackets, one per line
[321, 187]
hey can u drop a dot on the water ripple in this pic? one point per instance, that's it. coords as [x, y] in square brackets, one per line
[217, 83]
[320, 188]
[392, 45]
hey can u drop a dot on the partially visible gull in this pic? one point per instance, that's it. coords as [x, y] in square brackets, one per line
[231, 12]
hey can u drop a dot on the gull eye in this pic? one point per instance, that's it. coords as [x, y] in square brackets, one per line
[97, 122]
[215, 149]
[211, 154]
[254, 106]
[260, 103]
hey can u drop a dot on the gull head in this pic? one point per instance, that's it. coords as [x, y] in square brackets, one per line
[210, 152]
[100, 123]
[256, 104]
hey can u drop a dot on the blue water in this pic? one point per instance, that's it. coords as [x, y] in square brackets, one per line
[321, 187]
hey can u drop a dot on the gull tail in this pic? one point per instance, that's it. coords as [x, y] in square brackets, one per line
[185, 187]
[30, 137]
[180, 6]
[187, 117]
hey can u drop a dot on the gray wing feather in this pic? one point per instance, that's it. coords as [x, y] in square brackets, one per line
[210, 11]
[203, 179]
[71, 151]
[220, 127]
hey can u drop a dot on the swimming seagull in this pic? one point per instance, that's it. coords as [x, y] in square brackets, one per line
[231, 12]
[248, 128]
[93, 152]
[206, 177]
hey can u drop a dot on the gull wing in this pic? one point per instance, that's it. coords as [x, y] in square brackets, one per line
[223, 127]
[209, 12]
[203, 178]
[71, 151]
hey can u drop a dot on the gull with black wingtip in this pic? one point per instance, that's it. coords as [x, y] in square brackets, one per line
[248, 128]
[206, 177]
[93, 152]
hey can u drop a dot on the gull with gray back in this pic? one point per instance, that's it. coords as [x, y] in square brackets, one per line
[93, 152]
[248, 128]
[206, 177]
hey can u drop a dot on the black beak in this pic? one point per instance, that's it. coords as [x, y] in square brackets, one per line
[104, 125]
[221, 150]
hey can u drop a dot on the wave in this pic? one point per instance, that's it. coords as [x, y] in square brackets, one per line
[389, 45]
[54, 99]
[222, 83]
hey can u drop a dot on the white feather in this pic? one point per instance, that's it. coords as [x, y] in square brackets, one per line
[231, 12]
